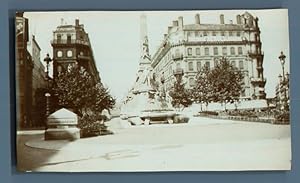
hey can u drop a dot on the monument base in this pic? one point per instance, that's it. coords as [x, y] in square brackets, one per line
[72, 133]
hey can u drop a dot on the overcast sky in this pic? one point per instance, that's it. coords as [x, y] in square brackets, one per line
[115, 35]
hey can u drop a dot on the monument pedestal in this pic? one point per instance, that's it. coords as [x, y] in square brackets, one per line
[61, 125]
[72, 133]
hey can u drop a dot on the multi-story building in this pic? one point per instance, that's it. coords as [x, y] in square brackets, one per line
[38, 72]
[191, 46]
[283, 92]
[39, 84]
[24, 66]
[71, 45]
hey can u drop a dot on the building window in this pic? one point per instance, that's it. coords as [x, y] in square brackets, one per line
[241, 65]
[215, 62]
[197, 51]
[224, 50]
[214, 33]
[59, 53]
[207, 64]
[58, 38]
[230, 33]
[232, 51]
[238, 34]
[196, 34]
[189, 34]
[191, 68]
[216, 51]
[198, 66]
[240, 51]
[69, 53]
[206, 51]
[222, 33]
[69, 38]
[192, 82]
[233, 63]
[59, 69]
[204, 33]
[189, 51]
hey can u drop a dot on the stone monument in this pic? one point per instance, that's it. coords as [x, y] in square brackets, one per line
[147, 101]
[62, 125]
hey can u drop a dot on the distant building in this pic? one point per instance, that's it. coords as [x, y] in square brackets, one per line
[71, 45]
[39, 83]
[38, 72]
[283, 91]
[24, 67]
[191, 46]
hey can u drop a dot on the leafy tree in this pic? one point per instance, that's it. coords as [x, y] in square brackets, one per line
[181, 97]
[226, 82]
[75, 89]
[203, 91]
[103, 99]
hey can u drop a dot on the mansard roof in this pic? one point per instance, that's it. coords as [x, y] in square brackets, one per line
[216, 27]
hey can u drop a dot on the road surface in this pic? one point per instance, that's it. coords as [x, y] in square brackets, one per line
[202, 144]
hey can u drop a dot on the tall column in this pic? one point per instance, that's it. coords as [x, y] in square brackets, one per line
[145, 60]
[143, 30]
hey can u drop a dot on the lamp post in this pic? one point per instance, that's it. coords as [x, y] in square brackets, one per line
[282, 61]
[47, 59]
[163, 92]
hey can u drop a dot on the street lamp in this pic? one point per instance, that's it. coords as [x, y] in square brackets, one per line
[284, 84]
[162, 80]
[47, 59]
[282, 61]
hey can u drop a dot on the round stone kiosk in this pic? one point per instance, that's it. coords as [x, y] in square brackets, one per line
[62, 125]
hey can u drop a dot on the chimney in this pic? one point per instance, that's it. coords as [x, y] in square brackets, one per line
[222, 19]
[238, 19]
[76, 22]
[180, 22]
[175, 23]
[197, 19]
[169, 29]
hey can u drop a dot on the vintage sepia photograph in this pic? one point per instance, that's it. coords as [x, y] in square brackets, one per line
[152, 91]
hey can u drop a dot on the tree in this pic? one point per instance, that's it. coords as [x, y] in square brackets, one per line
[181, 97]
[103, 99]
[75, 89]
[203, 91]
[226, 82]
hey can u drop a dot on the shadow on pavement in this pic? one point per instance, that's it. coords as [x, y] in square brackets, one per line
[28, 158]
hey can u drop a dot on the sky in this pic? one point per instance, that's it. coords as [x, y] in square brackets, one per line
[115, 38]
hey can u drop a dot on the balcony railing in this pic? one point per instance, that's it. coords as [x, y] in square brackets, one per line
[70, 41]
[177, 57]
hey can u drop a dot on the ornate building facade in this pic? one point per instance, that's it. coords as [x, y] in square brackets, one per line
[191, 46]
[24, 66]
[282, 92]
[71, 45]
[38, 72]
[30, 75]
